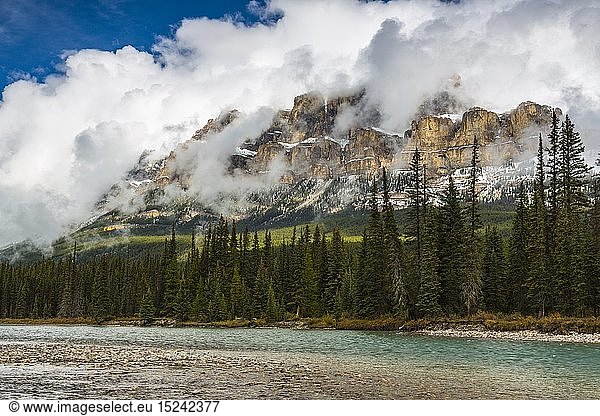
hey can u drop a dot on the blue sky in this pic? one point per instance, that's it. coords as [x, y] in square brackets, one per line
[35, 33]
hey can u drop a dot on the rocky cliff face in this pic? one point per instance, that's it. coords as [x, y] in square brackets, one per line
[305, 139]
[447, 139]
[308, 141]
[326, 149]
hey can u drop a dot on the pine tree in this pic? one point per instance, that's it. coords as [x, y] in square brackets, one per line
[373, 288]
[181, 306]
[475, 171]
[416, 200]
[335, 271]
[217, 308]
[494, 283]
[100, 301]
[238, 295]
[470, 289]
[417, 192]
[572, 169]
[471, 286]
[554, 167]
[346, 297]
[569, 238]
[147, 311]
[309, 303]
[272, 313]
[428, 301]
[319, 257]
[172, 284]
[569, 263]
[452, 250]
[519, 269]
[591, 263]
[538, 282]
[67, 303]
[393, 291]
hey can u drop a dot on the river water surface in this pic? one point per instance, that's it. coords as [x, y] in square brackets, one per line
[60, 362]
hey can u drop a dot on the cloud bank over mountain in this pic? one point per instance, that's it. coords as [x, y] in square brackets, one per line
[64, 140]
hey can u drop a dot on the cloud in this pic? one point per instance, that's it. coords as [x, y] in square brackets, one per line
[65, 139]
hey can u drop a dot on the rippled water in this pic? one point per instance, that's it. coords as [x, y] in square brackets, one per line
[131, 362]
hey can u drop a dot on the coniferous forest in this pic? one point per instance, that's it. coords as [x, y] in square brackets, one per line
[444, 263]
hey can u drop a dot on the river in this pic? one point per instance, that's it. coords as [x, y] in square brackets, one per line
[61, 362]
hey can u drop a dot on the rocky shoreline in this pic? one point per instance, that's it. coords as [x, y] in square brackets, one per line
[523, 335]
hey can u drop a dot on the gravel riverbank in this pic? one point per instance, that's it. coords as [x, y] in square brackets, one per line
[525, 335]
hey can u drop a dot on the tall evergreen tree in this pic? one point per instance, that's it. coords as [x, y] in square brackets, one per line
[238, 295]
[393, 283]
[494, 285]
[591, 289]
[474, 173]
[428, 301]
[554, 166]
[538, 282]
[147, 311]
[416, 199]
[572, 173]
[335, 271]
[572, 169]
[100, 300]
[519, 269]
[452, 250]
[374, 291]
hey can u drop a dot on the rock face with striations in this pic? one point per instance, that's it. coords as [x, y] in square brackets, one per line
[446, 140]
[305, 139]
[336, 137]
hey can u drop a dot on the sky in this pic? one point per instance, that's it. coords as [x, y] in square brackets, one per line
[34, 34]
[90, 85]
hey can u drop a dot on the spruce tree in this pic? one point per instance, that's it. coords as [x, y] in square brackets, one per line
[519, 269]
[572, 173]
[416, 200]
[572, 169]
[346, 297]
[238, 295]
[538, 281]
[554, 166]
[494, 284]
[309, 303]
[591, 263]
[273, 313]
[428, 301]
[364, 286]
[147, 311]
[100, 301]
[452, 250]
[67, 304]
[374, 286]
[569, 263]
[393, 282]
[335, 271]
[474, 173]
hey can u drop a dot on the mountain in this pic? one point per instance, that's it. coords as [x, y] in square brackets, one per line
[320, 156]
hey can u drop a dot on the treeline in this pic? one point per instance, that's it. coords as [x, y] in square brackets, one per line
[443, 264]
[229, 275]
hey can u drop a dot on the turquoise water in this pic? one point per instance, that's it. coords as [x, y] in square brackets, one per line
[125, 362]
